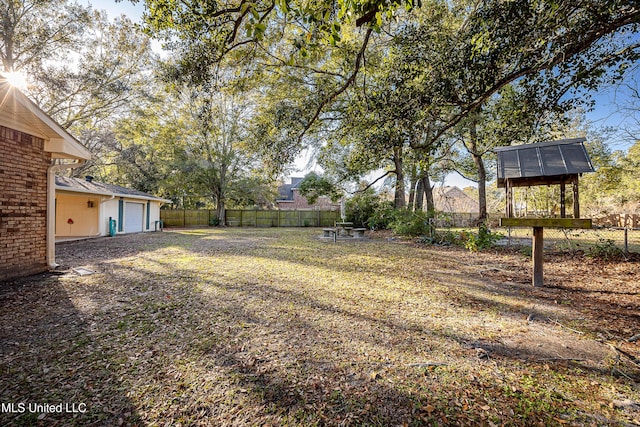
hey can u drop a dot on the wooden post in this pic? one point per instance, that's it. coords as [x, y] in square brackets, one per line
[576, 198]
[563, 207]
[509, 199]
[538, 256]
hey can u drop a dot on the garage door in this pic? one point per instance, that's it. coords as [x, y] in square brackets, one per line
[133, 215]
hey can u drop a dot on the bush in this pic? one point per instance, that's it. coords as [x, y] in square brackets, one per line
[361, 207]
[474, 242]
[605, 249]
[484, 239]
[382, 217]
[408, 223]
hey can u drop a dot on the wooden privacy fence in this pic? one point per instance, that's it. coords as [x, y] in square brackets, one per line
[250, 218]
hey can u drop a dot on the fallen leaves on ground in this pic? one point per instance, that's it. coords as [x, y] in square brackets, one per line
[277, 327]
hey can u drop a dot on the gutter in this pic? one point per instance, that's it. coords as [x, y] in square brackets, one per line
[51, 208]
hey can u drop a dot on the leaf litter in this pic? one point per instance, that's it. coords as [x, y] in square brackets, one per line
[276, 327]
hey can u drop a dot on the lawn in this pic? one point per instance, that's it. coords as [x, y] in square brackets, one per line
[276, 327]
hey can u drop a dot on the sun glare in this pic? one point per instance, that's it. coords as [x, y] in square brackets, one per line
[16, 79]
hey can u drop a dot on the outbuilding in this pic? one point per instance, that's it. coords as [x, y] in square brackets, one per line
[86, 208]
[33, 148]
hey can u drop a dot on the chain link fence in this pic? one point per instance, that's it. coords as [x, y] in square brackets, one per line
[599, 240]
[616, 233]
[567, 240]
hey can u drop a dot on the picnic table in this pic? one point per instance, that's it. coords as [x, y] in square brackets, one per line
[344, 229]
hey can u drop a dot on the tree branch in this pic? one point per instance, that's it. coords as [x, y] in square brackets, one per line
[362, 190]
[342, 88]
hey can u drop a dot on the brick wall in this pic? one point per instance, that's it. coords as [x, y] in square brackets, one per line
[323, 203]
[23, 204]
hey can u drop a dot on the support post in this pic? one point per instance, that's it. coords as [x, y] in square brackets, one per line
[563, 206]
[538, 256]
[576, 198]
[509, 199]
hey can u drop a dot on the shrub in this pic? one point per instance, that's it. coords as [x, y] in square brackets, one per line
[474, 242]
[361, 207]
[382, 217]
[605, 249]
[408, 223]
[484, 239]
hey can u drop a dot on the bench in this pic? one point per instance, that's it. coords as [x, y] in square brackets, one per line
[358, 233]
[329, 232]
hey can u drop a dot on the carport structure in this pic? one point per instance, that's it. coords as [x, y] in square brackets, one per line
[558, 162]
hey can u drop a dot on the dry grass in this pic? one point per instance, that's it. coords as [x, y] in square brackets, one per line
[275, 327]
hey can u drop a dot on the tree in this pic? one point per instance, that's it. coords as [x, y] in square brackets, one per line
[147, 149]
[35, 32]
[480, 47]
[513, 116]
[218, 144]
[314, 186]
[83, 70]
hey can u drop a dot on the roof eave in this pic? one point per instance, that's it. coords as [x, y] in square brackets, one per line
[540, 144]
[111, 194]
[59, 142]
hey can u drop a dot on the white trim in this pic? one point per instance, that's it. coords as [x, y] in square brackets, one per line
[111, 194]
[51, 210]
[62, 145]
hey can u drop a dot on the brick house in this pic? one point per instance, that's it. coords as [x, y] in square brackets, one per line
[289, 198]
[33, 148]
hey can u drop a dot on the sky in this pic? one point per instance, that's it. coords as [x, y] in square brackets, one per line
[606, 112]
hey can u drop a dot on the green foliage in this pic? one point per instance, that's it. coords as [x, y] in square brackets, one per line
[605, 249]
[314, 186]
[412, 224]
[483, 239]
[362, 207]
[382, 216]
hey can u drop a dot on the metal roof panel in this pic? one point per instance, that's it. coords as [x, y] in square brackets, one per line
[546, 159]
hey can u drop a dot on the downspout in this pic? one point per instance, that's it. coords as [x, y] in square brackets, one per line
[51, 208]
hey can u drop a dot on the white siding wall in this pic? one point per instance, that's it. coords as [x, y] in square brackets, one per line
[109, 208]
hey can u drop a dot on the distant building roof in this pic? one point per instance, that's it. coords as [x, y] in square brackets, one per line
[285, 191]
[454, 200]
[542, 160]
[92, 187]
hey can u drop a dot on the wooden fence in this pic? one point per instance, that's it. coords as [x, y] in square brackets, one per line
[250, 218]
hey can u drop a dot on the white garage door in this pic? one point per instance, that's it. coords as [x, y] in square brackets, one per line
[133, 216]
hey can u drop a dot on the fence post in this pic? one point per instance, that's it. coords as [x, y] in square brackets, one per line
[626, 240]
[184, 217]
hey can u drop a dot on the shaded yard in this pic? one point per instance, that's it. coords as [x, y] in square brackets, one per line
[275, 327]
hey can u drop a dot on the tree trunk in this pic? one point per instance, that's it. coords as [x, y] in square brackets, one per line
[482, 172]
[419, 198]
[221, 213]
[428, 191]
[482, 187]
[399, 201]
[412, 192]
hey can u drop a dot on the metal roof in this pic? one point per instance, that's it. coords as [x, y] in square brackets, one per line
[542, 160]
[77, 185]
